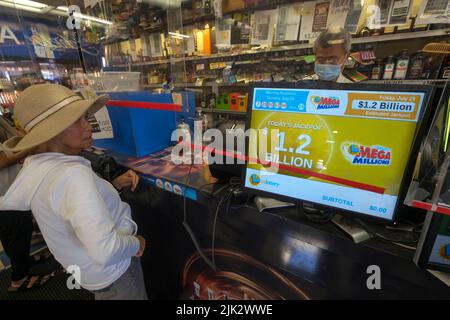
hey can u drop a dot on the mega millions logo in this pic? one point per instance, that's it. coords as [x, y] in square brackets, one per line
[325, 102]
[359, 154]
[255, 179]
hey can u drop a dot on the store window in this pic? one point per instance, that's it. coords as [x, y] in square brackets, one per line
[201, 58]
[214, 44]
[38, 44]
[214, 49]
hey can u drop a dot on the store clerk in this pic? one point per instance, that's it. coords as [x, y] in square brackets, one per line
[332, 49]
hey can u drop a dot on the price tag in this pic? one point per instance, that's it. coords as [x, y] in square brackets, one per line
[200, 67]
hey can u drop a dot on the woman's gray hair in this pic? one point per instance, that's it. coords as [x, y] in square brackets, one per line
[331, 36]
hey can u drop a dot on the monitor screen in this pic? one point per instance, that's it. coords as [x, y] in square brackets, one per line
[343, 148]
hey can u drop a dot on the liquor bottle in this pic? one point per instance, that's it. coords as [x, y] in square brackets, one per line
[445, 71]
[207, 6]
[427, 68]
[401, 67]
[198, 8]
[416, 66]
[203, 101]
[207, 40]
[213, 41]
[388, 70]
[212, 100]
[376, 70]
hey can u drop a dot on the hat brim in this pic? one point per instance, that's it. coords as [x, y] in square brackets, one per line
[55, 124]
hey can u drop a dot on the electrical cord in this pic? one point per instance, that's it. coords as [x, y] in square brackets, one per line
[206, 195]
[405, 243]
[185, 223]
[418, 228]
[225, 197]
[188, 228]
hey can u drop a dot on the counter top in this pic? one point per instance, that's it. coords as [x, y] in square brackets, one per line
[317, 260]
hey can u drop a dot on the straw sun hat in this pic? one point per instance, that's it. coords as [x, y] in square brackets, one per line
[46, 110]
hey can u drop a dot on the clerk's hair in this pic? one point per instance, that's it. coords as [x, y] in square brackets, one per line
[333, 35]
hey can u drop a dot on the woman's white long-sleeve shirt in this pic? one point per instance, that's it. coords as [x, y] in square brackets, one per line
[80, 215]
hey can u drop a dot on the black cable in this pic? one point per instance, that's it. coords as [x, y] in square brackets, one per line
[184, 193]
[188, 228]
[226, 197]
[418, 228]
[233, 182]
[206, 195]
[223, 198]
[387, 239]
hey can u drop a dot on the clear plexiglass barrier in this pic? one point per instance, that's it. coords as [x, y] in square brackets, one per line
[430, 187]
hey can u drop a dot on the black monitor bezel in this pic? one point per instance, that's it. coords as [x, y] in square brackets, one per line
[417, 140]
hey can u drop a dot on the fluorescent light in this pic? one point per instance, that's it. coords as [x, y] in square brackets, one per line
[83, 16]
[19, 6]
[29, 3]
[90, 18]
[179, 35]
[38, 7]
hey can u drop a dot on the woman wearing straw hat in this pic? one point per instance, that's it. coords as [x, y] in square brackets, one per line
[81, 216]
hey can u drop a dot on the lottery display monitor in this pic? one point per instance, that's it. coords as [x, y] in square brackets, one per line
[351, 147]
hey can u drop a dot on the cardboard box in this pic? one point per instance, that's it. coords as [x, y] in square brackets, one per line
[243, 102]
[234, 103]
[223, 102]
[232, 5]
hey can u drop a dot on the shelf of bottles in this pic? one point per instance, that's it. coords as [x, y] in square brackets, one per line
[296, 63]
[438, 82]
[357, 40]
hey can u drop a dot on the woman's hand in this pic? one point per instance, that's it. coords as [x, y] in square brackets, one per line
[129, 178]
[142, 244]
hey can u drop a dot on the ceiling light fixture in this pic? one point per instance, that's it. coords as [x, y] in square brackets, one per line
[37, 7]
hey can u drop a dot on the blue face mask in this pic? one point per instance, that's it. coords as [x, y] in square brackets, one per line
[327, 72]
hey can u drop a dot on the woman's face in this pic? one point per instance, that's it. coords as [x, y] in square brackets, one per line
[75, 138]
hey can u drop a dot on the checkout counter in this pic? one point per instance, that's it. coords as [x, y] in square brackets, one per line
[271, 254]
[247, 253]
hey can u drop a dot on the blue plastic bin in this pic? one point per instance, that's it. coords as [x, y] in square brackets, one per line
[139, 131]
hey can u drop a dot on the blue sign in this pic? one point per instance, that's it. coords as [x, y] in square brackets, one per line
[45, 38]
[170, 186]
[287, 100]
